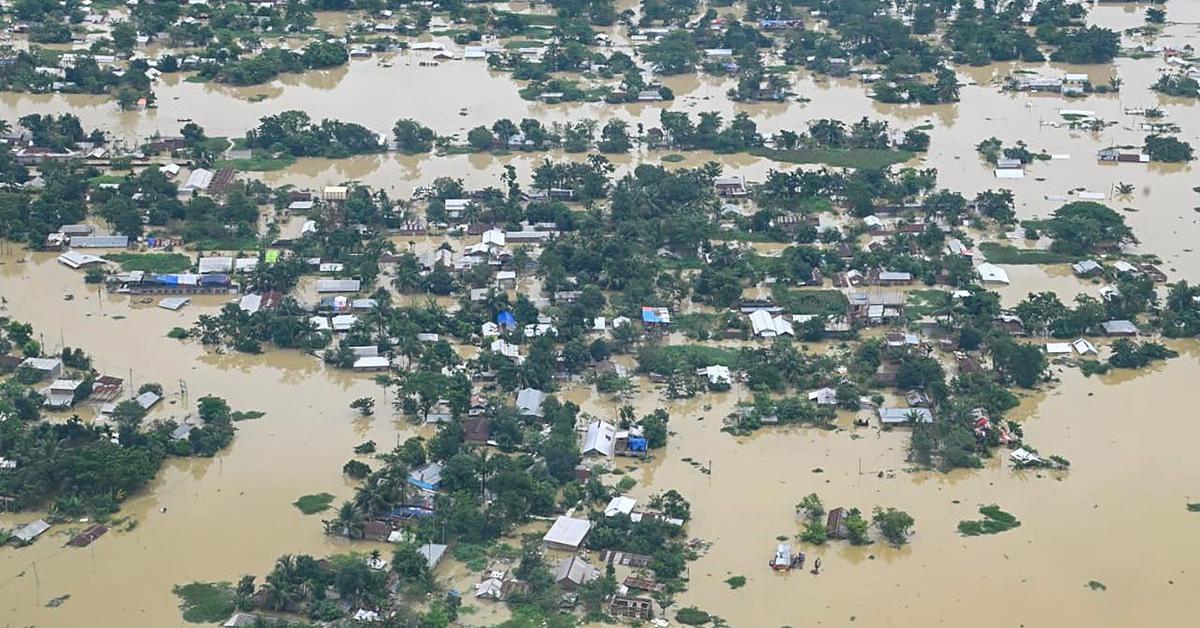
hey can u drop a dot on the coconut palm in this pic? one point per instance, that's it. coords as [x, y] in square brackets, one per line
[349, 521]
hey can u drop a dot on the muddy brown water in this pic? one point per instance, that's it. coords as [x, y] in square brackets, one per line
[1116, 517]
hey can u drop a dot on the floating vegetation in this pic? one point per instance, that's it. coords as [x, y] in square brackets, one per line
[205, 602]
[312, 504]
[995, 521]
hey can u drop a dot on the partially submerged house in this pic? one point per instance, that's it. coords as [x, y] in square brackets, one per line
[990, 273]
[48, 368]
[1119, 328]
[901, 416]
[76, 260]
[529, 402]
[573, 572]
[427, 477]
[62, 393]
[29, 532]
[600, 439]
[567, 534]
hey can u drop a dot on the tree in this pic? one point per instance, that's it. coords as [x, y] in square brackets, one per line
[413, 137]
[856, 527]
[1155, 15]
[1021, 363]
[1088, 45]
[411, 565]
[356, 469]
[1168, 149]
[811, 506]
[674, 53]
[364, 405]
[614, 138]
[1084, 227]
[349, 521]
[895, 525]
[480, 138]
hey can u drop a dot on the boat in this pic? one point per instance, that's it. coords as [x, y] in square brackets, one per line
[183, 119]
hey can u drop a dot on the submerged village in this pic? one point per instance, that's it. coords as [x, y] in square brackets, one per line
[645, 312]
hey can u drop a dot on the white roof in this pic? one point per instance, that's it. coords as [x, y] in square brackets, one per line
[215, 265]
[823, 396]
[600, 438]
[530, 400]
[173, 303]
[1009, 173]
[343, 322]
[147, 399]
[493, 237]
[620, 505]
[250, 303]
[199, 179]
[75, 259]
[767, 326]
[371, 362]
[1058, 348]
[1023, 455]
[991, 273]
[432, 552]
[337, 285]
[900, 415]
[1083, 346]
[1120, 327]
[42, 364]
[716, 374]
[568, 531]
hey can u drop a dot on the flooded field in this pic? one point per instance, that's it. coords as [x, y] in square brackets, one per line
[1117, 517]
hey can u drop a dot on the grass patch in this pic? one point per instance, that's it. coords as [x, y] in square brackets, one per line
[736, 582]
[178, 333]
[673, 158]
[312, 504]
[829, 302]
[994, 521]
[927, 302]
[1193, 507]
[698, 325]
[205, 602]
[1096, 585]
[151, 262]
[997, 253]
[105, 178]
[474, 556]
[247, 415]
[517, 44]
[862, 158]
[692, 616]
[258, 164]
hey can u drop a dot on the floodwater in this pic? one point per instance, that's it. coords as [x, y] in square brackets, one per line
[1116, 517]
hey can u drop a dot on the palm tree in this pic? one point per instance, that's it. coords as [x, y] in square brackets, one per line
[1125, 189]
[349, 521]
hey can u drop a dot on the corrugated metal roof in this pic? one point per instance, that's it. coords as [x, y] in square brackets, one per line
[100, 241]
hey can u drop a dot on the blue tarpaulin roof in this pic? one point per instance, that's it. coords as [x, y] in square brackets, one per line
[506, 318]
[637, 444]
[656, 315]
